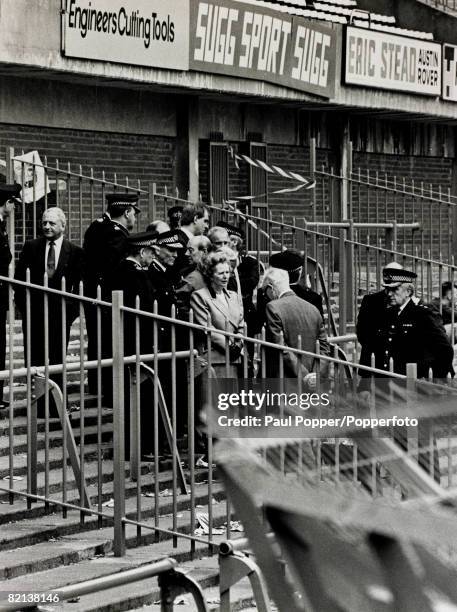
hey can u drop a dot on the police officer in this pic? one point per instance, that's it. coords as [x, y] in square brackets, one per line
[105, 245]
[8, 195]
[167, 247]
[413, 333]
[132, 278]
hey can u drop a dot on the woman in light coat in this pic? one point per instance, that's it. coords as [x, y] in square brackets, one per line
[221, 309]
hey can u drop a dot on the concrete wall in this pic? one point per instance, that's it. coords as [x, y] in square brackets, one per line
[51, 103]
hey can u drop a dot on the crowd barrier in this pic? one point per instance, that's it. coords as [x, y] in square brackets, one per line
[174, 403]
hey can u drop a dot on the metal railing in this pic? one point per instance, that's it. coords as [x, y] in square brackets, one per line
[338, 263]
[450, 5]
[172, 583]
[139, 497]
[424, 213]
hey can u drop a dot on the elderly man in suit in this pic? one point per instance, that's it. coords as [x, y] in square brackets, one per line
[287, 317]
[51, 254]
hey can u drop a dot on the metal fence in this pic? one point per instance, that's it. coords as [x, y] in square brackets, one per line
[338, 264]
[77, 190]
[177, 383]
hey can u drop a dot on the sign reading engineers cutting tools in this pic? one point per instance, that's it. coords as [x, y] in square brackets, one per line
[151, 33]
[250, 41]
[387, 61]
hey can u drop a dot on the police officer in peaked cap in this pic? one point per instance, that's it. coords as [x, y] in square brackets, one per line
[105, 245]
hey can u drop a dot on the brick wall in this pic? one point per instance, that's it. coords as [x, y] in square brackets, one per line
[138, 157]
[378, 204]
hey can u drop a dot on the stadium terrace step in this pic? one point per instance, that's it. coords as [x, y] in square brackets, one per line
[90, 418]
[202, 568]
[55, 439]
[71, 548]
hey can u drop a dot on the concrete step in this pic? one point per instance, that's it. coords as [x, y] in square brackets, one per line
[90, 418]
[136, 595]
[20, 394]
[11, 515]
[55, 439]
[84, 544]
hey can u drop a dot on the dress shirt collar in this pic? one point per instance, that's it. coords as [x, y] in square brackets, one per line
[403, 306]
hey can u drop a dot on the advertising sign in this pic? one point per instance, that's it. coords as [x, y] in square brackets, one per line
[450, 72]
[253, 42]
[151, 33]
[29, 173]
[387, 61]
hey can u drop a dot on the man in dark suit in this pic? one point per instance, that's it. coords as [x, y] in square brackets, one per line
[105, 245]
[292, 262]
[8, 195]
[51, 254]
[287, 317]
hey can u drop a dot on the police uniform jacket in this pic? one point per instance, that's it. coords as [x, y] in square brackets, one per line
[105, 246]
[5, 259]
[164, 291]
[370, 321]
[134, 281]
[413, 335]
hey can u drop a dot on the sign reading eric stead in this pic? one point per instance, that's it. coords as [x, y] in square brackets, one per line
[387, 61]
[151, 33]
[253, 42]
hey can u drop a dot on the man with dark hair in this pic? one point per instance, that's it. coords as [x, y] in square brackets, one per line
[105, 245]
[195, 220]
[8, 197]
[59, 258]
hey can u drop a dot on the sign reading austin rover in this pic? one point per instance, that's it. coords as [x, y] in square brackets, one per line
[143, 32]
[257, 43]
[388, 61]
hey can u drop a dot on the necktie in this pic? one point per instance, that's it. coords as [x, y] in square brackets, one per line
[51, 262]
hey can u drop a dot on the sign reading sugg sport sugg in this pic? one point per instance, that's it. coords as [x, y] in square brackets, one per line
[151, 33]
[254, 42]
[387, 61]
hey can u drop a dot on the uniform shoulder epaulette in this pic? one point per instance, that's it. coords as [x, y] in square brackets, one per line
[100, 219]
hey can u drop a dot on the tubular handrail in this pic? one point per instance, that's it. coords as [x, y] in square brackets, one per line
[116, 579]
[385, 187]
[401, 254]
[357, 225]
[68, 172]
